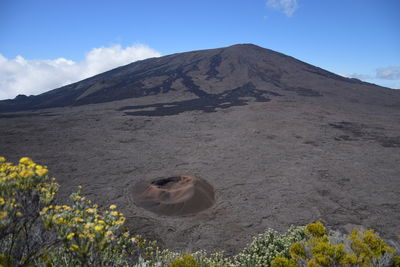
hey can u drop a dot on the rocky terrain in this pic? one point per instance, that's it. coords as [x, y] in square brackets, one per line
[280, 141]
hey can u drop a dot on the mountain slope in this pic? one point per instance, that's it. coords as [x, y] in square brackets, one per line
[206, 74]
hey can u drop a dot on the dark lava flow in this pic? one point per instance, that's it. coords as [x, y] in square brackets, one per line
[206, 102]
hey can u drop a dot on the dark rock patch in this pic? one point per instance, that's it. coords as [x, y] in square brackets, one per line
[361, 132]
[206, 103]
[304, 91]
[214, 63]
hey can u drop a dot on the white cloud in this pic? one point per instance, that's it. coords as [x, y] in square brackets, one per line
[388, 73]
[387, 77]
[23, 76]
[357, 76]
[287, 6]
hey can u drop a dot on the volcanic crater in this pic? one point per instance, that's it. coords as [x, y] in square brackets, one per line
[174, 196]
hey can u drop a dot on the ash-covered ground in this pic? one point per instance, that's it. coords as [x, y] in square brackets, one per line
[272, 164]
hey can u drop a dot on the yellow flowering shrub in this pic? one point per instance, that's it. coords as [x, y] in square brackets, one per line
[35, 231]
[357, 249]
[368, 247]
[89, 235]
[24, 190]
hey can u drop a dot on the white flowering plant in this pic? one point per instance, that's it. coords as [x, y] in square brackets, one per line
[265, 247]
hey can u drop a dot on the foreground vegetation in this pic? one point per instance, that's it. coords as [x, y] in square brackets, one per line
[36, 231]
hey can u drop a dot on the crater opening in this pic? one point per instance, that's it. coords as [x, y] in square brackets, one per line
[174, 196]
[163, 182]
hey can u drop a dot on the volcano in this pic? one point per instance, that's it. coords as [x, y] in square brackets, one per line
[279, 141]
[216, 78]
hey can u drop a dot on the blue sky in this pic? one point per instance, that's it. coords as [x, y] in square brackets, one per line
[64, 41]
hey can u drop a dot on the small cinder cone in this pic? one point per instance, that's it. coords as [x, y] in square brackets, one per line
[174, 196]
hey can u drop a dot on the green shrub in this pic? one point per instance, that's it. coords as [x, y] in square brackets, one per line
[316, 229]
[396, 260]
[186, 260]
[280, 261]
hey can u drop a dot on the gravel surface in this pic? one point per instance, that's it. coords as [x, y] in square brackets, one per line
[272, 164]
